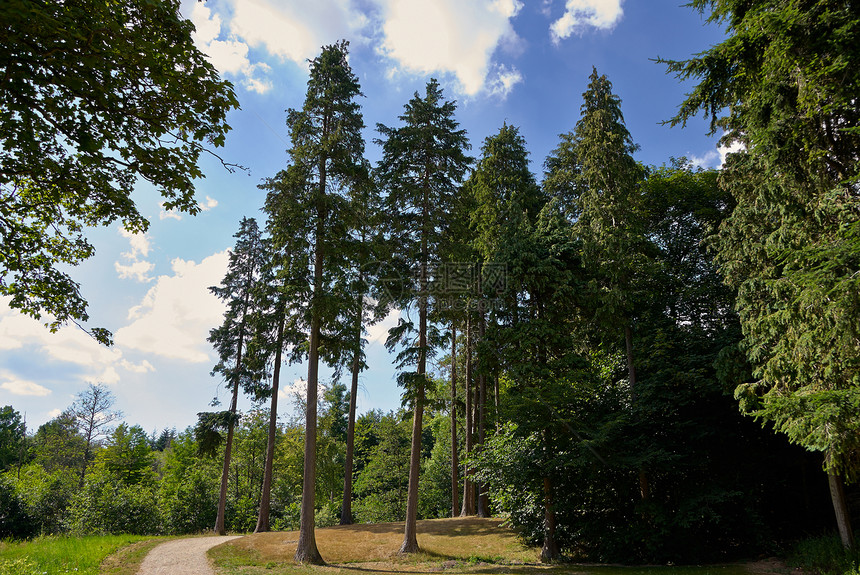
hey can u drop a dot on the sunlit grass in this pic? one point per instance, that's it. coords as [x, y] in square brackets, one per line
[65, 555]
[450, 546]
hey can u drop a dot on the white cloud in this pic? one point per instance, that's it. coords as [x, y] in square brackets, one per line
[726, 150]
[450, 36]
[17, 386]
[579, 14]
[168, 214]
[504, 81]
[707, 160]
[208, 204]
[295, 29]
[136, 268]
[139, 243]
[715, 158]
[69, 344]
[287, 29]
[298, 387]
[379, 332]
[176, 314]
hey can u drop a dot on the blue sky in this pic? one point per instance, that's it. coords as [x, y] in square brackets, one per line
[521, 62]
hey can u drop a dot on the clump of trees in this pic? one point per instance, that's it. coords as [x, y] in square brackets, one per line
[603, 323]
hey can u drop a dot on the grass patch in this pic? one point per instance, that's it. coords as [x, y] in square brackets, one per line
[448, 546]
[62, 555]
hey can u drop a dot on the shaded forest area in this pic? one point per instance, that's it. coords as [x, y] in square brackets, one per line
[572, 351]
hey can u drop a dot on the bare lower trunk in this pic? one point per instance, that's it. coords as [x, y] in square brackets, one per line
[468, 489]
[483, 506]
[549, 552]
[454, 462]
[306, 551]
[220, 521]
[840, 508]
[266, 491]
[346, 508]
[410, 536]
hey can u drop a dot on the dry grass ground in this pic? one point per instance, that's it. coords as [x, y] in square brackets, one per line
[450, 546]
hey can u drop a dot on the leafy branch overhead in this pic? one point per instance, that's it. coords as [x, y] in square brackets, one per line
[94, 97]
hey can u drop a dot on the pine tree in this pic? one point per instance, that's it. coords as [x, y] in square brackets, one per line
[786, 78]
[309, 211]
[230, 339]
[423, 162]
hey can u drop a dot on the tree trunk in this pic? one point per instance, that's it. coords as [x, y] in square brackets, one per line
[468, 489]
[346, 506]
[454, 462]
[496, 400]
[306, 551]
[483, 507]
[220, 521]
[644, 483]
[549, 552]
[410, 538]
[266, 491]
[840, 508]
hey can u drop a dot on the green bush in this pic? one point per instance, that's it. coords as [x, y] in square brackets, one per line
[191, 505]
[106, 506]
[15, 521]
[825, 555]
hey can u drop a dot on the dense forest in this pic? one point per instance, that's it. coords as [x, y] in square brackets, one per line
[631, 363]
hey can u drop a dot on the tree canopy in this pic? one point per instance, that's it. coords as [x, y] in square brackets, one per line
[95, 96]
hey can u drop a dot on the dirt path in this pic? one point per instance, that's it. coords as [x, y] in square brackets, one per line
[181, 557]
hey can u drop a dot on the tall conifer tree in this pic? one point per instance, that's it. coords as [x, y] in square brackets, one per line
[423, 163]
[237, 291]
[309, 208]
[786, 78]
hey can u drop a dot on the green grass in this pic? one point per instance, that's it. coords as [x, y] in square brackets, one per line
[61, 555]
[449, 546]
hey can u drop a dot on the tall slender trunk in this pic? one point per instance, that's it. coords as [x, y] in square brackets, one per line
[306, 551]
[220, 519]
[549, 552]
[840, 508]
[454, 462]
[220, 524]
[483, 507]
[468, 489]
[410, 537]
[496, 400]
[346, 506]
[266, 491]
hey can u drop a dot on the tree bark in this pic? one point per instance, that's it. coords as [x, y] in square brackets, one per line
[220, 522]
[266, 491]
[468, 489]
[840, 508]
[346, 506]
[410, 537]
[454, 462]
[220, 519]
[483, 507]
[549, 552]
[306, 551]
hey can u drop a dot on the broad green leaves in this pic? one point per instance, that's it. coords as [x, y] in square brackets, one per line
[94, 97]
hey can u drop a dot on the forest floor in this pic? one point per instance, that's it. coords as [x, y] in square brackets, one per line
[448, 546]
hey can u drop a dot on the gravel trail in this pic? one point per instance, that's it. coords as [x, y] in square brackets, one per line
[181, 557]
